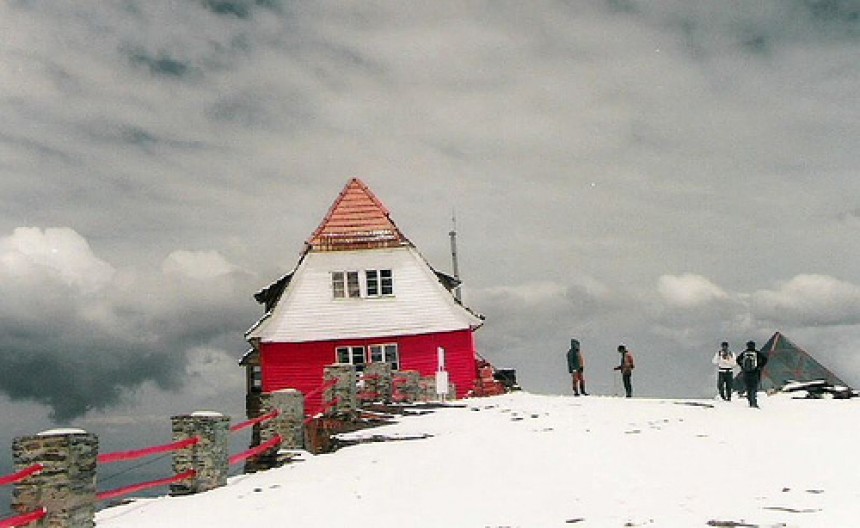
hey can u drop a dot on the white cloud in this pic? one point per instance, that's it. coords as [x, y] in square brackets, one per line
[531, 293]
[55, 254]
[689, 290]
[809, 300]
[201, 265]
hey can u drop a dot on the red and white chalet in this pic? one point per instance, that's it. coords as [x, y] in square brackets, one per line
[360, 293]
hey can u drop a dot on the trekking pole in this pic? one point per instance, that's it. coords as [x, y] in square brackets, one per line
[614, 386]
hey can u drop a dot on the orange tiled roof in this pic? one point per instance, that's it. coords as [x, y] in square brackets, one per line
[356, 220]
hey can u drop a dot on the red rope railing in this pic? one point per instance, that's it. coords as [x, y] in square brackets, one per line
[325, 406]
[321, 388]
[24, 474]
[133, 488]
[254, 421]
[122, 456]
[262, 448]
[24, 520]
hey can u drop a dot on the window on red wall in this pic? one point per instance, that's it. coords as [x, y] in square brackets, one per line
[353, 355]
[356, 355]
[387, 353]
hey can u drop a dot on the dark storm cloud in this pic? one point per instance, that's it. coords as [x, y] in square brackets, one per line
[240, 8]
[161, 64]
[78, 335]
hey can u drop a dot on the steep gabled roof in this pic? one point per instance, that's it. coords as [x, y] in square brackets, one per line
[300, 306]
[356, 220]
[306, 310]
[788, 362]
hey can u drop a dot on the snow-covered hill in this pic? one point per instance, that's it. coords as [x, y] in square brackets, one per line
[524, 460]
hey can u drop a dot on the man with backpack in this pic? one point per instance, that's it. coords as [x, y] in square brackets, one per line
[751, 362]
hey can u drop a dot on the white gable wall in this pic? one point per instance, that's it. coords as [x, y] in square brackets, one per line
[308, 312]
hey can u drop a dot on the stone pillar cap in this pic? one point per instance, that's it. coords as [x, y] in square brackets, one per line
[61, 431]
[212, 414]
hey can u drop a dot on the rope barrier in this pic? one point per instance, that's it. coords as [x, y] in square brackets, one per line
[122, 456]
[332, 403]
[24, 520]
[254, 421]
[369, 395]
[131, 468]
[322, 387]
[262, 448]
[325, 406]
[126, 490]
[24, 474]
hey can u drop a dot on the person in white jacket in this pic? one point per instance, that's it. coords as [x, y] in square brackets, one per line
[724, 359]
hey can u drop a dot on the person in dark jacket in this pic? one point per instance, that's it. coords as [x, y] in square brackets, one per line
[576, 368]
[751, 362]
[626, 367]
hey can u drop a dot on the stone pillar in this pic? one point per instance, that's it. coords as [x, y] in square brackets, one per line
[341, 400]
[377, 381]
[289, 425]
[66, 487]
[210, 457]
[407, 385]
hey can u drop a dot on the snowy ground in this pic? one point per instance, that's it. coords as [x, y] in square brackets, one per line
[524, 460]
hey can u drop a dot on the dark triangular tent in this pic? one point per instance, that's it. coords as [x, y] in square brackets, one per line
[788, 362]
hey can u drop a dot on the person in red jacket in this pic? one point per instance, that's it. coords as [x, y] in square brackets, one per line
[626, 367]
[576, 368]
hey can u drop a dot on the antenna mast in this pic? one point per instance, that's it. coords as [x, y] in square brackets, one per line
[453, 234]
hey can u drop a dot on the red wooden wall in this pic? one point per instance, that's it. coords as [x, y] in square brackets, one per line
[300, 365]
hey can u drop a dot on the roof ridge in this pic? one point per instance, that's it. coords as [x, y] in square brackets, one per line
[357, 219]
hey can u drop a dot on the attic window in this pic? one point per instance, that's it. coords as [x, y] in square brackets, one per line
[379, 282]
[345, 284]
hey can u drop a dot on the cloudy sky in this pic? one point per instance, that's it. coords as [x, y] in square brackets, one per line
[665, 174]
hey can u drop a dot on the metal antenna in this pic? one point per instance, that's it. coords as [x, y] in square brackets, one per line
[453, 234]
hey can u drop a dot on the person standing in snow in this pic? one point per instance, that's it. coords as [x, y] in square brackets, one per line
[751, 362]
[626, 367]
[576, 367]
[724, 359]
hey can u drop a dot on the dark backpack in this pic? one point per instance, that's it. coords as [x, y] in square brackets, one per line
[749, 361]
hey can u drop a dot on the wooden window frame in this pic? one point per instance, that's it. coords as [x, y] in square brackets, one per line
[379, 282]
[345, 285]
